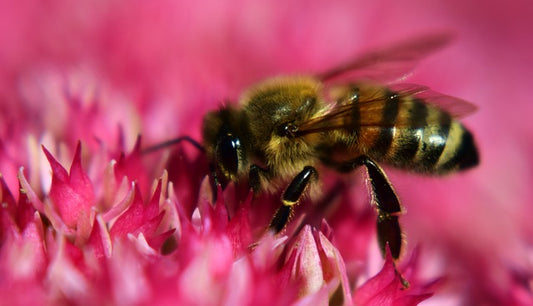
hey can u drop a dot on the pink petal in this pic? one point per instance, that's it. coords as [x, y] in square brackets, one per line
[8, 211]
[318, 265]
[239, 228]
[186, 169]
[141, 218]
[131, 166]
[131, 219]
[72, 195]
[65, 277]
[99, 239]
[387, 288]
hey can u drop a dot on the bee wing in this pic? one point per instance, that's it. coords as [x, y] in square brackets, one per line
[454, 106]
[387, 64]
[367, 112]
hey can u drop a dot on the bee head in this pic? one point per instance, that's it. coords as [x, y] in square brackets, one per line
[223, 144]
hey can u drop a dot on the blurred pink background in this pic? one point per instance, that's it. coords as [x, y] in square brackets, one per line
[162, 64]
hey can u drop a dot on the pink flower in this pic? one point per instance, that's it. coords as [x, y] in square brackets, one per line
[71, 194]
[102, 223]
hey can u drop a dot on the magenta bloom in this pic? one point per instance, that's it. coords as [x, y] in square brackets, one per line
[86, 218]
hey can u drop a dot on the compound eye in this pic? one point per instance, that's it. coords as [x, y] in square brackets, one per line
[227, 151]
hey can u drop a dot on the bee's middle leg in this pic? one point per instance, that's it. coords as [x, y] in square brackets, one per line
[291, 196]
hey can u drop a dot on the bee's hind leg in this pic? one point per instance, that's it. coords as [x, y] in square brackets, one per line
[386, 202]
[291, 196]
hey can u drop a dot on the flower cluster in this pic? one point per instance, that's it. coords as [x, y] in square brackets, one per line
[74, 244]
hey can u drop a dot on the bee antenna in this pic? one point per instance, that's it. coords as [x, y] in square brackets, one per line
[172, 142]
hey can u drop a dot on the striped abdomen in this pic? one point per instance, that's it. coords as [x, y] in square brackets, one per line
[416, 136]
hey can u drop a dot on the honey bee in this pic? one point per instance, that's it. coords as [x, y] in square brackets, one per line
[285, 128]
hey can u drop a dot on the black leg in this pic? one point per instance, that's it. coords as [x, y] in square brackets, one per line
[213, 180]
[291, 196]
[172, 142]
[282, 216]
[255, 174]
[386, 201]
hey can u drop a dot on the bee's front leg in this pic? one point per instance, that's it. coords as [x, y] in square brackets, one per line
[255, 175]
[291, 196]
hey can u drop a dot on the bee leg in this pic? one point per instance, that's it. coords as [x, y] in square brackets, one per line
[388, 206]
[214, 181]
[386, 201]
[254, 177]
[291, 196]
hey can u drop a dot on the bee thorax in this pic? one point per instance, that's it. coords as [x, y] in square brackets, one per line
[286, 157]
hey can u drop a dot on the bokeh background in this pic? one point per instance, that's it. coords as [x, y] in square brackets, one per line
[155, 67]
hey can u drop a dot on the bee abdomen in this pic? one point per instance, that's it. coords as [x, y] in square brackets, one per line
[425, 139]
[459, 150]
[440, 149]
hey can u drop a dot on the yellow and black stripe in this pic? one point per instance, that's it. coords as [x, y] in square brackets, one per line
[417, 136]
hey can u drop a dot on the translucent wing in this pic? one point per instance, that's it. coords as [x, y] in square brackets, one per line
[367, 111]
[454, 106]
[388, 64]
